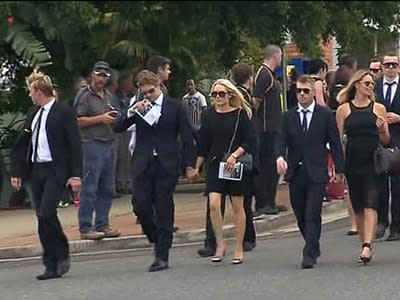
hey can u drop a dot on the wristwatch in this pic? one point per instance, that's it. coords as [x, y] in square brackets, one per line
[234, 156]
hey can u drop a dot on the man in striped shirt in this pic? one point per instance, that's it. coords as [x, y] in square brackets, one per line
[194, 103]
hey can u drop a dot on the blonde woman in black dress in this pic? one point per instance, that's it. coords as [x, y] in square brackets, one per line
[217, 130]
[365, 125]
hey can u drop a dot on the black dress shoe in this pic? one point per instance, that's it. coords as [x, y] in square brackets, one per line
[393, 236]
[63, 267]
[206, 252]
[48, 274]
[281, 208]
[258, 214]
[352, 232]
[158, 265]
[248, 246]
[269, 210]
[307, 263]
[380, 231]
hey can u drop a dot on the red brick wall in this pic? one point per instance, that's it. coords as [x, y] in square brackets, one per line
[327, 52]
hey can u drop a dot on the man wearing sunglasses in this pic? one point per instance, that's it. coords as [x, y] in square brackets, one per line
[155, 171]
[388, 92]
[375, 67]
[96, 117]
[306, 129]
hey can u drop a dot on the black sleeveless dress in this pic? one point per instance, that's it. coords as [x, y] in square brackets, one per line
[362, 140]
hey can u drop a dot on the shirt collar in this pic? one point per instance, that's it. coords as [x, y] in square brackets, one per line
[48, 105]
[310, 108]
[159, 100]
[395, 80]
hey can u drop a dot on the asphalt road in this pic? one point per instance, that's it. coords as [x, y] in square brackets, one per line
[272, 271]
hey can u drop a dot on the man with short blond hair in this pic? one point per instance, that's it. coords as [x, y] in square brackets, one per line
[48, 153]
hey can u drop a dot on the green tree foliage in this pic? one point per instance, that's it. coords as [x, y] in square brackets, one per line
[203, 39]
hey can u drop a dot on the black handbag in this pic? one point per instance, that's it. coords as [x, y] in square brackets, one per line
[246, 159]
[387, 160]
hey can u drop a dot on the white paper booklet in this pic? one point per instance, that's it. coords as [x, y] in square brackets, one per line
[235, 175]
[150, 114]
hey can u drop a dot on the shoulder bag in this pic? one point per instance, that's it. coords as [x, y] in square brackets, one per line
[387, 160]
[246, 159]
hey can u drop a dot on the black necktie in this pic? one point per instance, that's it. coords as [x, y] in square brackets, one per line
[304, 122]
[388, 96]
[37, 126]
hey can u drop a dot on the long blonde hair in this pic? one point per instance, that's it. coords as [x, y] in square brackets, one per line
[349, 92]
[237, 99]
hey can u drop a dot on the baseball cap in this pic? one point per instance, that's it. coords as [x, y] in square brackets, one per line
[102, 67]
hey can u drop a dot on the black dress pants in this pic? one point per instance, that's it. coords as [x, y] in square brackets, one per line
[250, 233]
[267, 178]
[306, 200]
[46, 190]
[154, 206]
[383, 204]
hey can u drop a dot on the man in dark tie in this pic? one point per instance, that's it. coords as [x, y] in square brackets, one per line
[388, 92]
[306, 129]
[48, 152]
[156, 162]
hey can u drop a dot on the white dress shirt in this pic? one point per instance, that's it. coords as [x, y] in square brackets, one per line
[394, 87]
[43, 149]
[310, 109]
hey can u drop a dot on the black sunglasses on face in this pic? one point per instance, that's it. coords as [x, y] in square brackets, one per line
[391, 65]
[368, 83]
[305, 91]
[375, 70]
[220, 94]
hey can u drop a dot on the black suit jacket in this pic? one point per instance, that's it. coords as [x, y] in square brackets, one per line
[394, 129]
[310, 147]
[64, 142]
[162, 137]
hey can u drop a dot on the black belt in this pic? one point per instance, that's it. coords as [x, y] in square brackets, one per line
[43, 164]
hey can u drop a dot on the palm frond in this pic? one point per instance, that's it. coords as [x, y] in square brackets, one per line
[27, 46]
[132, 48]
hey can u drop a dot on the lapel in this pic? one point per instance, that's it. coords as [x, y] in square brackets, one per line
[50, 120]
[164, 111]
[396, 98]
[297, 121]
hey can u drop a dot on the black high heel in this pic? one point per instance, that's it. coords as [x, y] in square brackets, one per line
[366, 259]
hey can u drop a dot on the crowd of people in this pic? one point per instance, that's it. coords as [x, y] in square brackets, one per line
[120, 134]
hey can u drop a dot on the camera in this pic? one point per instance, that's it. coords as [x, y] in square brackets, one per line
[113, 113]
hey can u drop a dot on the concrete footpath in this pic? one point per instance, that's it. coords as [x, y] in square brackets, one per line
[18, 236]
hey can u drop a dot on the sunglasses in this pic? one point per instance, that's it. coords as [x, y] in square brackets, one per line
[368, 83]
[375, 70]
[149, 92]
[391, 65]
[107, 75]
[220, 94]
[305, 91]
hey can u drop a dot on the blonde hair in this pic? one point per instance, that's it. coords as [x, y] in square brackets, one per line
[349, 92]
[40, 81]
[237, 99]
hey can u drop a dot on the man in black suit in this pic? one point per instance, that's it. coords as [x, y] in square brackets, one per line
[387, 92]
[306, 129]
[49, 153]
[156, 163]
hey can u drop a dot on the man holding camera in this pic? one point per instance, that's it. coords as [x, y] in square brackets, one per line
[96, 117]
